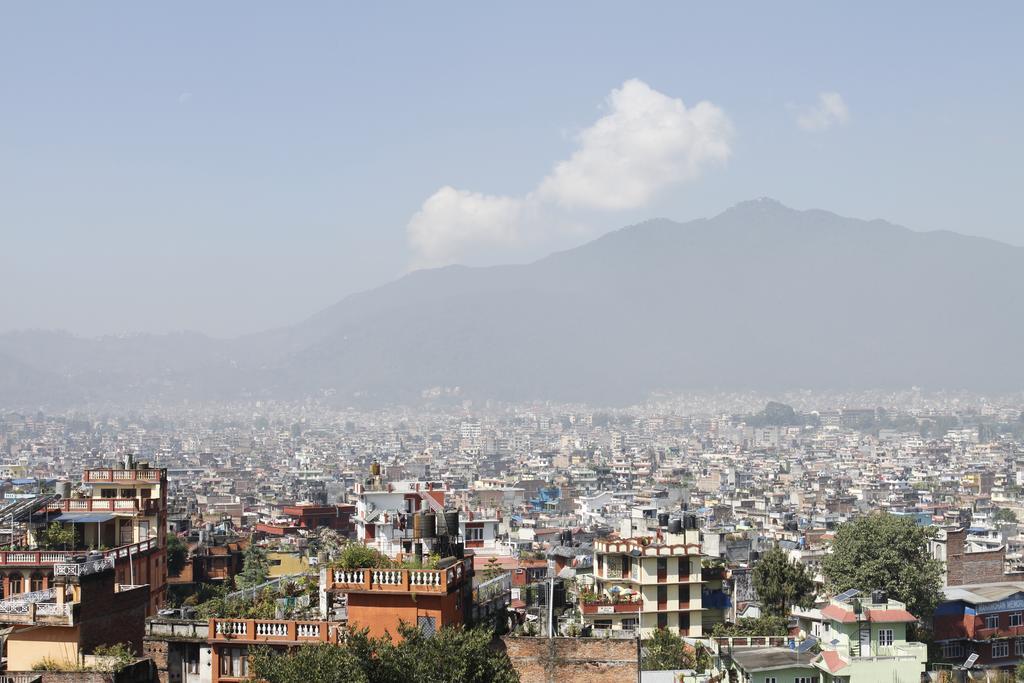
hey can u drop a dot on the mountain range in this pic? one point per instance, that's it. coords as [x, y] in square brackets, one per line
[760, 296]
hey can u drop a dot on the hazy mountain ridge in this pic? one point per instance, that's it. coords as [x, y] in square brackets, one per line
[760, 296]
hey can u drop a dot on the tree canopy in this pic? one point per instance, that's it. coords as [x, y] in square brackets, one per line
[666, 650]
[255, 567]
[781, 583]
[450, 654]
[761, 626]
[887, 552]
[177, 554]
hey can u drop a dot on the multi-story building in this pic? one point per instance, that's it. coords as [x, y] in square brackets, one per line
[63, 624]
[984, 619]
[124, 519]
[649, 576]
[380, 599]
[866, 640]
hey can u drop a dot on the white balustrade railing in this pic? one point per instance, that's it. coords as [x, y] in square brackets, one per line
[264, 628]
[348, 575]
[307, 630]
[425, 578]
[232, 628]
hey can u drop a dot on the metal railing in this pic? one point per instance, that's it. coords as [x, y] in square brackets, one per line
[83, 568]
[33, 558]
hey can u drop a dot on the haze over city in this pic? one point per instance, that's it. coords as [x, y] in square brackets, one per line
[575, 342]
[236, 168]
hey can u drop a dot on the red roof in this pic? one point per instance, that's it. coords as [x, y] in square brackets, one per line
[833, 661]
[837, 613]
[889, 616]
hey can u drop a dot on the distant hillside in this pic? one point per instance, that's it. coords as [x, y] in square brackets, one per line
[760, 297]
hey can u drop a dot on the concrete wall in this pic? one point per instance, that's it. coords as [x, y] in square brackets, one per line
[572, 660]
[382, 612]
[27, 647]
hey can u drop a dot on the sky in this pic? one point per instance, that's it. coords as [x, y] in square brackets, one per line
[231, 167]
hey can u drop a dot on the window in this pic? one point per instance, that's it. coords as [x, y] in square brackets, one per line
[1018, 646]
[108, 493]
[662, 620]
[427, 625]
[1016, 619]
[192, 659]
[36, 583]
[234, 662]
[802, 679]
[474, 534]
[15, 583]
[771, 679]
[992, 621]
[1000, 648]
[952, 650]
[885, 637]
[602, 623]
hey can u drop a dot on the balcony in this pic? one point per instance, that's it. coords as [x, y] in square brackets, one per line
[38, 558]
[133, 506]
[271, 631]
[398, 580]
[608, 607]
[103, 475]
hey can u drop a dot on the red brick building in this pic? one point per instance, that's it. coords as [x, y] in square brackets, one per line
[983, 619]
[310, 517]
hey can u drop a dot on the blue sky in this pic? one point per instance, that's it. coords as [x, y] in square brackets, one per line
[229, 167]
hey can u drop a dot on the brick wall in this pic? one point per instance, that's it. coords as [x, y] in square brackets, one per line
[571, 660]
[967, 568]
[157, 650]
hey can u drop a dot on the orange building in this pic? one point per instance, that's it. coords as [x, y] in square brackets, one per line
[230, 640]
[380, 599]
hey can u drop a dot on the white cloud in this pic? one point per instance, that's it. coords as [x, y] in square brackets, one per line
[451, 222]
[828, 111]
[647, 142]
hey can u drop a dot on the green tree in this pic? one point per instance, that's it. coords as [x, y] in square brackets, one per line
[451, 654]
[311, 663]
[890, 553]
[665, 650]
[1005, 515]
[492, 569]
[255, 567]
[358, 556]
[177, 554]
[761, 626]
[56, 537]
[781, 583]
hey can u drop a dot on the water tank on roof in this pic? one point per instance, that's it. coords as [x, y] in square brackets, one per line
[675, 526]
[879, 597]
[64, 489]
[662, 519]
[451, 523]
[428, 525]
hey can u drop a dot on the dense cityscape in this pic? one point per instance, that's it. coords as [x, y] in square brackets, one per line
[533, 342]
[708, 530]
